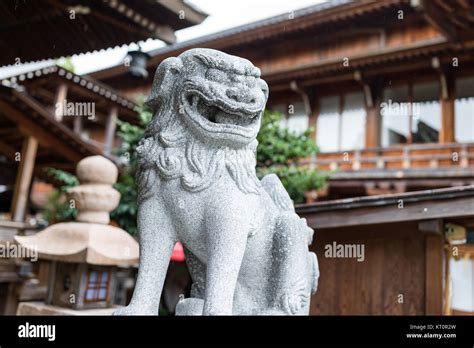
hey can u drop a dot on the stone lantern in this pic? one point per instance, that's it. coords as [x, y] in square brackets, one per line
[85, 254]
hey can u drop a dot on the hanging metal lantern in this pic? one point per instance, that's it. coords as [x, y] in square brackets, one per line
[138, 61]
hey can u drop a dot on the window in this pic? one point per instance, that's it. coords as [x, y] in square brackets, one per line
[395, 111]
[338, 131]
[295, 117]
[97, 286]
[426, 113]
[353, 122]
[327, 130]
[464, 110]
[297, 121]
[411, 114]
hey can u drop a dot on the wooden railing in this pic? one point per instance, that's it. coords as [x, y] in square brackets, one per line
[415, 156]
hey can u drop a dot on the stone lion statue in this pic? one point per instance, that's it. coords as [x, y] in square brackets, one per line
[246, 249]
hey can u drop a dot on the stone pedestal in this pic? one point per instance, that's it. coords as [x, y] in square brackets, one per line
[40, 308]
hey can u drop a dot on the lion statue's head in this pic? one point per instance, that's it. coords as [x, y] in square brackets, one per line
[207, 108]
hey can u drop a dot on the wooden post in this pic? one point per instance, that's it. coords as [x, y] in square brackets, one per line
[110, 130]
[372, 93]
[410, 116]
[313, 117]
[59, 101]
[340, 112]
[77, 127]
[23, 178]
[434, 250]
[446, 134]
[12, 296]
[313, 125]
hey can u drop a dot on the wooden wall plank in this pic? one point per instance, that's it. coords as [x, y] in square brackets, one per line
[434, 274]
[394, 265]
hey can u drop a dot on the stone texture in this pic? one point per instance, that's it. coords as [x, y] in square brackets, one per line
[94, 202]
[246, 248]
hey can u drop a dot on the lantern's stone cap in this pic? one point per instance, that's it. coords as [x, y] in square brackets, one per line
[95, 244]
[97, 170]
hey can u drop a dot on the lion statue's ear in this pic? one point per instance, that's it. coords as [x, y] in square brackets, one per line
[163, 81]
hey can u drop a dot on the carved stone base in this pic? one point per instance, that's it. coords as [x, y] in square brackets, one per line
[40, 308]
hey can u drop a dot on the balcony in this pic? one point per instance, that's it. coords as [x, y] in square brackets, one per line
[396, 169]
[399, 157]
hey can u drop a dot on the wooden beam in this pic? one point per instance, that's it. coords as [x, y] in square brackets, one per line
[165, 33]
[117, 22]
[23, 179]
[447, 101]
[431, 226]
[192, 15]
[456, 207]
[29, 127]
[313, 117]
[57, 165]
[59, 102]
[434, 16]
[110, 130]
[433, 274]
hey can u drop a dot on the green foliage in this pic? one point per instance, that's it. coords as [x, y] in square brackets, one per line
[126, 212]
[58, 208]
[278, 152]
[278, 145]
[297, 180]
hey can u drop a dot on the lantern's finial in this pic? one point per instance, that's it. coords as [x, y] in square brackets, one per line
[95, 197]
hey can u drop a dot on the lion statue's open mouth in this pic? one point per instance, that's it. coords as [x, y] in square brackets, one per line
[220, 98]
[222, 114]
[221, 117]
